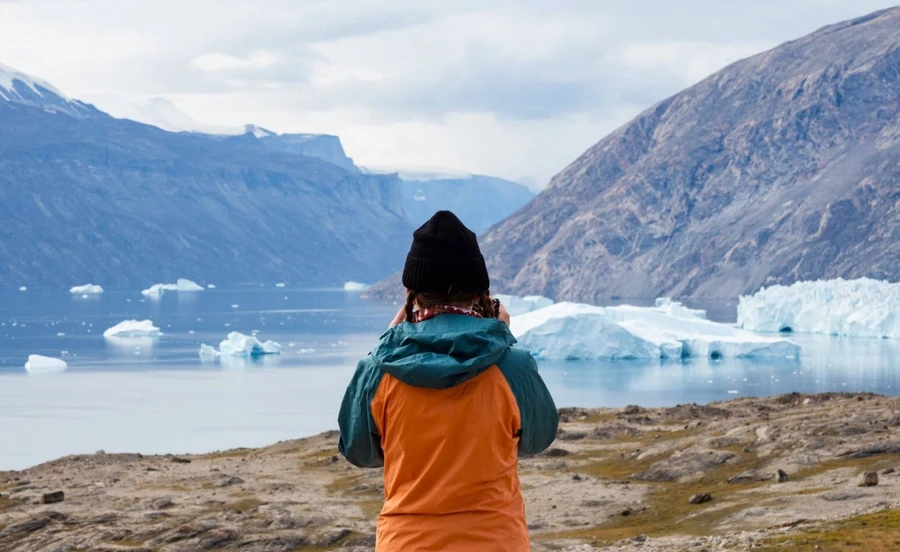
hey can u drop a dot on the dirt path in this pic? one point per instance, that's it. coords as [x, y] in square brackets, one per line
[614, 480]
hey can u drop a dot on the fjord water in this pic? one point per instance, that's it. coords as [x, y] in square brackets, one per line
[157, 396]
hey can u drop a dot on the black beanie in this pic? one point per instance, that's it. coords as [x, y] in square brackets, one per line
[445, 258]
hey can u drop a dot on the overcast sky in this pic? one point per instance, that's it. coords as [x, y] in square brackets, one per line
[513, 88]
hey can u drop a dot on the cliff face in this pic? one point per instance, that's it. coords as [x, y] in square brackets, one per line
[780, 167]
[86, 197]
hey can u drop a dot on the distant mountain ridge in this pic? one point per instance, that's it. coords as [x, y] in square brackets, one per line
[781, 167]
[87, 197]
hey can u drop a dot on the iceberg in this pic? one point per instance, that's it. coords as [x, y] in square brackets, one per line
[210, 286]
[23, 288]
[133, 328]
[38, 364]
[182, 284]
[520, 305]
[355, 286]
[857, 308]
[279, 285]
[86, 289]
[240, 345]
[667, 331]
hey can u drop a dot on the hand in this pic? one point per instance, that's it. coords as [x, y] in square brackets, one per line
[502, 315]
[399, 318]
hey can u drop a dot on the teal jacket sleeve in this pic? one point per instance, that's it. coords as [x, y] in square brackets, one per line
[540, 419]
[360, 442]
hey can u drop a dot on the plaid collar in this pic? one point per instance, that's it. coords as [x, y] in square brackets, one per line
[424, 314]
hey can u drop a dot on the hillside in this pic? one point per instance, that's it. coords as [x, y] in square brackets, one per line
[86, 197]
[781, 167]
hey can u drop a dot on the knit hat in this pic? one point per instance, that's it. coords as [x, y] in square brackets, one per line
[445, 257]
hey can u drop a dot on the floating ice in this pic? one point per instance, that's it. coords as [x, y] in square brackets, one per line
[133, 328]
[279, 285]
[38, 364]
[520, 305]
[86, 289]
[210, 286]
[181, 285]
[23, 288]
[577, 331]
[355, 286]
[858, 308]
[238, 344]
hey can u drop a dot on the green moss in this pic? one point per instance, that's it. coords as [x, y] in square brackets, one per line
[878, 532]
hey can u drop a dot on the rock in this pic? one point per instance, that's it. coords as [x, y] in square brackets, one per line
[151, 469]
[867, 479]
[748, 476]
[32, 524]
[556, 452]
[53, 498]
[226, 480]
[632, 409]
[700, 498]
[572, 435]
[888, 471]
[332, 538]
[781, 476]
[685, 463]
[640, 538]
[180, 460]
[334, 459]
[576, 477]
[162, 503]
[840, 496]
[876, 449]
[594, 503]
[627, 512]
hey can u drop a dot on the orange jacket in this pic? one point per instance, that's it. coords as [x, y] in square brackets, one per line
[447, 406]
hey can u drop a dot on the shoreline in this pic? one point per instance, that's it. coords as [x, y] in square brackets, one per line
[617, 479]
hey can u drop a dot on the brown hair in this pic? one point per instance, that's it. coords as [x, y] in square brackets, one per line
[481, 302]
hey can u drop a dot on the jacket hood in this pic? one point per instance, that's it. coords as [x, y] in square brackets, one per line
[443, 351]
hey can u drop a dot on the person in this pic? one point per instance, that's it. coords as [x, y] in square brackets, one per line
[446, 405]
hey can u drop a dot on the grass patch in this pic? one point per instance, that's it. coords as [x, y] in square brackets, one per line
[878, 532]
[233, 453]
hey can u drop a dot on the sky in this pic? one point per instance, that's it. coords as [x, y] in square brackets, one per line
[511, 88]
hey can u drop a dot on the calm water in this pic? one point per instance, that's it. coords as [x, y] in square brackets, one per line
[157, 396]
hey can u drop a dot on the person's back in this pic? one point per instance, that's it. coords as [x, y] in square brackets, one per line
[447, 406]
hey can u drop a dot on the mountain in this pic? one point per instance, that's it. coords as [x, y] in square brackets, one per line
[781, 167]
[87, 197]
[20, 89]
[479, 201]
[320, 146]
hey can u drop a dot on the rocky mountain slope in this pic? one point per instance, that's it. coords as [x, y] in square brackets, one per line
[781, 167]
[87, 197]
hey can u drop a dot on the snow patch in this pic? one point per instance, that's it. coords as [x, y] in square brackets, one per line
[355, 286]
[240, 345]
[86, 289]
[516, 305]
[857, 308]
[668, 331]
[38, 364]
[133, 328]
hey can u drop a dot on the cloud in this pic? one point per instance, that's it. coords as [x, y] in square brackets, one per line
[508, 87]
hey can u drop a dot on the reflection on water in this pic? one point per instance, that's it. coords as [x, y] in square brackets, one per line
[158, 395]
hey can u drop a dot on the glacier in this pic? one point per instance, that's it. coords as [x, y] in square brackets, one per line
[240, 345]
[86, 289]
[857, 308]
[133, 328]
[516, 305]
[355, 286]
[667, 331]
[183, 284]
[39, 364]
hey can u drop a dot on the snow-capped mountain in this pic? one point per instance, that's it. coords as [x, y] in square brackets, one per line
[17, 88]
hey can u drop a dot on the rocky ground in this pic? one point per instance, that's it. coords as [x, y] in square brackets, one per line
[781, 473]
